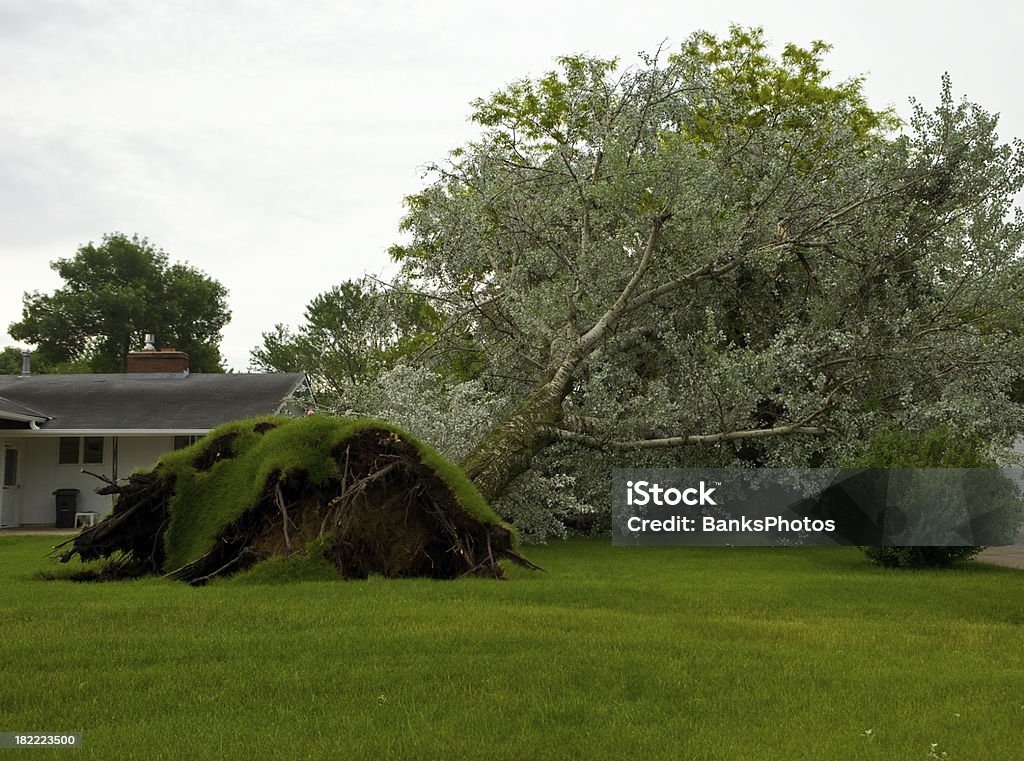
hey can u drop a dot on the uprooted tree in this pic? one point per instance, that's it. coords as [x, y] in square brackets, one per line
[365, 496]
[717, 255]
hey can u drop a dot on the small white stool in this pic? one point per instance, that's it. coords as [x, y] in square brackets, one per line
[85, 519]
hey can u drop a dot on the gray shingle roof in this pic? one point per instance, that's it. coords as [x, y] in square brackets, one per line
[145, 402]
[18, 411]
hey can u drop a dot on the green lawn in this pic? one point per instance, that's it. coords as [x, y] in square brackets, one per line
[611, 653]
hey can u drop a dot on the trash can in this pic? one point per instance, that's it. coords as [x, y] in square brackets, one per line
[67, 506]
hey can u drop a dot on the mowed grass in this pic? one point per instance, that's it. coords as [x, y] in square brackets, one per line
[611, 653]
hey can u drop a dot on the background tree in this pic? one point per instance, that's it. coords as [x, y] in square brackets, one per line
[718, 256]
[350, 335]
[115, 293]
[11, 362]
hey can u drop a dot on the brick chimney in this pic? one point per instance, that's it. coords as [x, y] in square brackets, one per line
[164, 362]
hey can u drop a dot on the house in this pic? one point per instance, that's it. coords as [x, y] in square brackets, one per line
[54, 427]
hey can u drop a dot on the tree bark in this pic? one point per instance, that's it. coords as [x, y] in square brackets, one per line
[507, 449]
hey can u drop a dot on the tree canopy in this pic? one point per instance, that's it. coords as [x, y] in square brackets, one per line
[717, 247]
[113, 294]
[720, 256]
[351, 334]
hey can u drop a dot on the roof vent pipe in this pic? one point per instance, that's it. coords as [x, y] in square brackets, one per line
[26, 362]
[150, 338]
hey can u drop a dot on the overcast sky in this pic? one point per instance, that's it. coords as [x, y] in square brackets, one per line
[270, 143]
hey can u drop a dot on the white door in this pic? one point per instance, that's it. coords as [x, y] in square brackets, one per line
[10, 486]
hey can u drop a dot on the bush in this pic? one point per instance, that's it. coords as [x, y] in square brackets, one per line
[938, 448]
[919, 557]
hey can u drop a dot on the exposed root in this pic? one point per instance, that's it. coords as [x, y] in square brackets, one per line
[385, 513]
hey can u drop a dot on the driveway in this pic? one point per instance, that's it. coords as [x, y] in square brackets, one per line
[1011, 556]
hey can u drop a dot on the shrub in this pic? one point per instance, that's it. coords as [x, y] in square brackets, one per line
[939, 448]
[919, 557]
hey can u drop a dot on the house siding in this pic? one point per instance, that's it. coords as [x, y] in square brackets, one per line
[41, 474]
[144, 410]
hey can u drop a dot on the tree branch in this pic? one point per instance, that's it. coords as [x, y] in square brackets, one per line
[678, 441]
[610, 317]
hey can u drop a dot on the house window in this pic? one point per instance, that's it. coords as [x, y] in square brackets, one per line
[180, 442]
[75, 450]
[68, 454]
[10, 466]
[92, 449]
